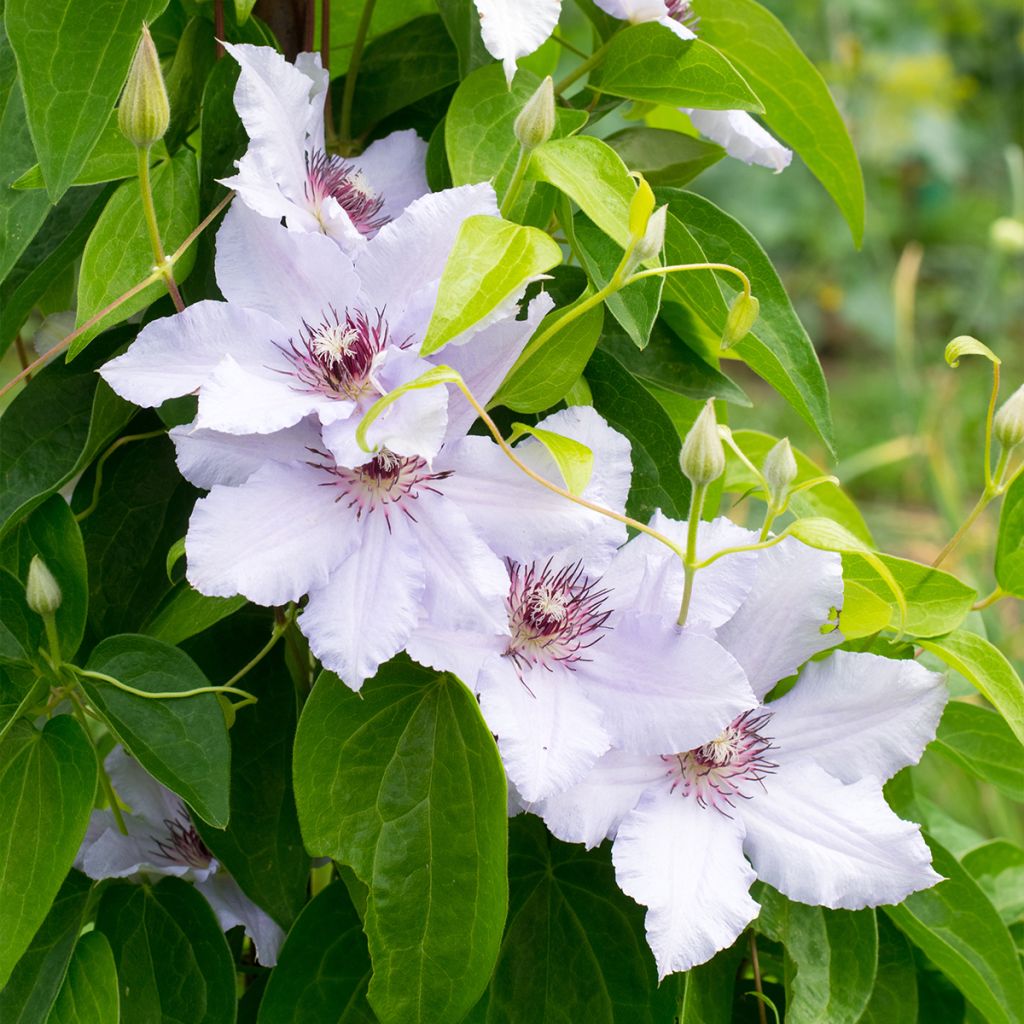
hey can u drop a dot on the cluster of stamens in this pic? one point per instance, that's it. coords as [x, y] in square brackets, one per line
[332, 177]
[181, 844]
[388, 482]
[553, 615]
[718, 772]
[337, 356]
[680, 10]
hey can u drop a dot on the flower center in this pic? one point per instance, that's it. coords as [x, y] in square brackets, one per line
[332, 177]
[181, 844]
[337, 357]
[554, 616]
[719, 771]
[388, 482]
[680, 10]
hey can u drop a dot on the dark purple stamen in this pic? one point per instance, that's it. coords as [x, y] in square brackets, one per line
[182, 844]
[331, 176]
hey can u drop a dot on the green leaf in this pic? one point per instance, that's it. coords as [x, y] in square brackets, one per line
[980, 741]
[480, 140]
[797, 104]
[965, 345]
[324, 967]
[664, 157]
[1010, 542]
[864, 612]
[186, 78]
[777, 348]
[574, 949]
[574, 459]
[708, 989]
[491, 262]
[631, 409]
[650, 62]
[36, 980]
[52, 430]
[894, 998]
[185, 612]
[73, 57]
[119, 255]
[173, 963]
[827, 499]
[47, 784]
[463, 24]
[831, 958]
[936, 601]
[998, 867]
[987, 669]
[956, 926]
[89, 994]
[403, 783]
[182, 742]
[387, 14]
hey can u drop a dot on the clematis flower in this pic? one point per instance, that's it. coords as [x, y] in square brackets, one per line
[515, 28]
[308, 330]
[388, 542]
[162, 840]
[288, 173]
[581, 670]
[789, 792]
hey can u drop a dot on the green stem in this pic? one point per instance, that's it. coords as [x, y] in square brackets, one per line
[760, 546]
[515, 186]
[770, 515]
[168, 694]
[348, 95]
[580, 70]
[163, 265]
[108, 790]
[690, 567]
[35, 692]
[53, 640]
[988, 425]
[678, 267]
[98, 482]
[278, 632]
[986, 602]
[972, 516]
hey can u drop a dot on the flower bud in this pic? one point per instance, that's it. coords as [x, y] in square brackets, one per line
[641, 206]
[42, 592]
[144, 111]
[702, 459]
[779, 470]
[1007, 235]
[1008, 425]
[649, 247]
[536, 121]
[743, 314]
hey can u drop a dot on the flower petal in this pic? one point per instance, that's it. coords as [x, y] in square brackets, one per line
[592, 810]
[662, 690]
[208, 457]
[514, 28]
[395, 168]
[549, 734]
[858, 714]
[826, 843]
[741, 137]
[145, 797]
[685, 864]
[293, 276]
[233, 907]
[778, 626]
[461, 652]
[273, 538]
[173, 356]
[372, 602]
[416, 423]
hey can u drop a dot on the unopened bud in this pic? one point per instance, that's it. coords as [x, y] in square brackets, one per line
[1007, 235]
[144, 111]
[702, 459]
[779, 470]
[649, 247]
[1008, 425]
[536, 121]
[42, 592]
[641, 206]
[743, 314]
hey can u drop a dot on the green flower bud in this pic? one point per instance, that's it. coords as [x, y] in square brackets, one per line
[779, 470]
[144, 111]
[536, 121]
[641, 206]
[42, 592]
[702, 459]
[1007, 235]
[743, 314]
[1008, 425]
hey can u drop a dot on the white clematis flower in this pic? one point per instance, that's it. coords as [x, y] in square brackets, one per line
[308, 330]
[794, 786]
[162, 840]
[514, 28]
[388, 543]
[286, 171]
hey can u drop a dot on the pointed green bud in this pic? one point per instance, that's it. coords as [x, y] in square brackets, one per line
[536, 121]
[649, 247]
[641, 206]
[779, 470]
[144, 111]
[743, 314]
[702, 459]
[1008, 425]
[42, 592]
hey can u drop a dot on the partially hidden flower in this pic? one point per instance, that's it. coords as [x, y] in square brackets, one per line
[789, 792]
[308, 330]
[287, 171]
[390, 541]
[162, 840]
